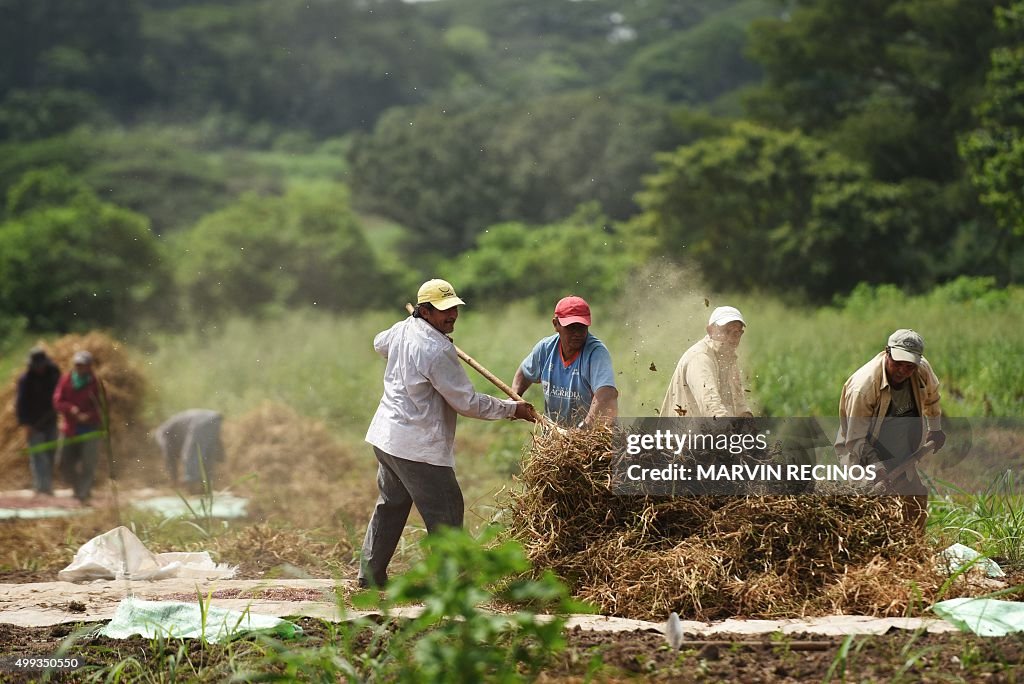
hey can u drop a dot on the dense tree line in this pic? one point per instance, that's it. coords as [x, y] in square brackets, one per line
[897, 86]
[333, 66]
[449, 175]
[800, 146]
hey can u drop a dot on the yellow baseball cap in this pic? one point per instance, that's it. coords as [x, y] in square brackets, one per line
[438, 292]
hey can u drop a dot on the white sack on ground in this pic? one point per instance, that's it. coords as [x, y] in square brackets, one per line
[957, 556]
[118, 554]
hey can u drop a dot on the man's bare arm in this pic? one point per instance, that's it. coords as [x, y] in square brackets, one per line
[604, 406]
[519, 383]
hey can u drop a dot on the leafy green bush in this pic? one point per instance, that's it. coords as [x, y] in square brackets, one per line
[866, 299]
[979, 291]
[48, 187]
[455, 639]
[582, 255]
[760, 209]
[269, 253]
[69, 261]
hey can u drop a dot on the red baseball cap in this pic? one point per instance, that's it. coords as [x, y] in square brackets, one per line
[571, 310]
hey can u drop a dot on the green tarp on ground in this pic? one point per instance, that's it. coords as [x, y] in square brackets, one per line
[984, 617]
[177, 619]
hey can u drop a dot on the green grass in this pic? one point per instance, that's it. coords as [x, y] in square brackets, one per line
[991, 521]
[796, 360]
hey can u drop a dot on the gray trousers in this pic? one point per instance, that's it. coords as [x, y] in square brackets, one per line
[41, 463]
[78, 466]
[402, 483]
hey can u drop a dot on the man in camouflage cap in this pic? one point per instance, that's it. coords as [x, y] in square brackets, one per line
[888, 410]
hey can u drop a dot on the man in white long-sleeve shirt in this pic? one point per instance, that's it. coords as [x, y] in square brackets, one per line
[413, 430]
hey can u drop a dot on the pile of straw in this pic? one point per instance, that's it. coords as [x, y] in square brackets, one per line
[712, 557]
[294, 469]
[126, 389]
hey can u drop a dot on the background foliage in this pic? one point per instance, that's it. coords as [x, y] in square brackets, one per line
[799, 147]
[66, 257]
[266, 253]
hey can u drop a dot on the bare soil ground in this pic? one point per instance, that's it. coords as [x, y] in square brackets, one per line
[899, 655]
[624, 656]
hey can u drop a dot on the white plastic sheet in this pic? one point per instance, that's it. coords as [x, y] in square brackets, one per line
[39, 513]
[118, 554]
[221, 505]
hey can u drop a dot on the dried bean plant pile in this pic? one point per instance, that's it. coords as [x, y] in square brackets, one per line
[295, 470]
[712, 557]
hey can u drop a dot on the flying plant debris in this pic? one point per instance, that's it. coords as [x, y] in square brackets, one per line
[712, 557]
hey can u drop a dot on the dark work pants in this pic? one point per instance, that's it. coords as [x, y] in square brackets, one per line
[402, 483]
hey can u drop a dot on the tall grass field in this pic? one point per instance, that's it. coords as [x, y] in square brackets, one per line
[795, 359]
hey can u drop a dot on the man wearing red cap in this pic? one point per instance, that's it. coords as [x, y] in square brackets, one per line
[573, 367]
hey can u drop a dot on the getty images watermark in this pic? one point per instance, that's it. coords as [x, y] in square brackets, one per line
[761, 456]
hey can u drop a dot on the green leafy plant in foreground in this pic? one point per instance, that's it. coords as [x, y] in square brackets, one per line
[454, 638]
[461, 641]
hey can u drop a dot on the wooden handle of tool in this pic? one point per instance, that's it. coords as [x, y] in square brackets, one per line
[915, 458]
[911, 462]
[495, 380]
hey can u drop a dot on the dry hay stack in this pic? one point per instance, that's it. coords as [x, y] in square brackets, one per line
[712, 557]
[294, 468]
[126, 389]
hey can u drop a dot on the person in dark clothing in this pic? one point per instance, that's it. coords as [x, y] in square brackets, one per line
[34, 408]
